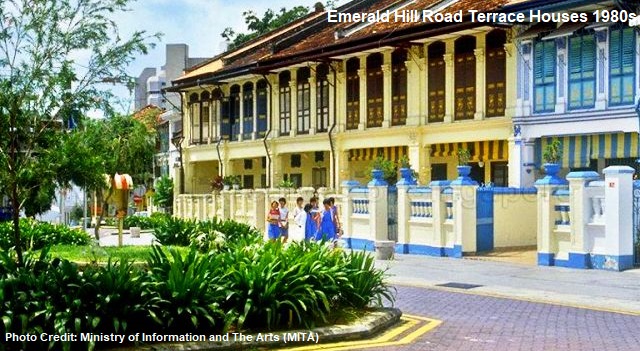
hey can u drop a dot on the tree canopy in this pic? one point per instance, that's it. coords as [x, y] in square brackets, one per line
[54, 55]
[270, 20]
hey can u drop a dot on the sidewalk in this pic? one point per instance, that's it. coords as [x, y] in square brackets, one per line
[603, 290]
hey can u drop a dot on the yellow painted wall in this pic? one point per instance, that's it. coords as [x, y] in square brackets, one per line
[515, 220]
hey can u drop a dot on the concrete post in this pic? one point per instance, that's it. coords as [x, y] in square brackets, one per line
[404, 214]
[439, 209]
[464, 214]
[546, 218]
[347, 206]
[618, 192]
[260, 211]
[378, 211]
[226, 204]
[580, 206]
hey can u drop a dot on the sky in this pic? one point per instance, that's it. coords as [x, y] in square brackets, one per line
[197, 23]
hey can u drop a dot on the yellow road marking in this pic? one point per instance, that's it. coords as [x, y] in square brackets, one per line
[408, 322]
[519, 298]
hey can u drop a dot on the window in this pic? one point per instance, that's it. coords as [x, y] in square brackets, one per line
[582, 71]
[436, 81]
[261, 107]
[263, 163]
[304, 103]
[500, 174]
[225, 116]
[194, 111]
[544, 76]
[465, 78]
[622, 66]
[285, 103]
[496, 69]
[319, 156]
[399, 87]
[247, 111]
[439, 171]
[248, 164]
[247, 182]
[296, 161]
[216, 96]
[375, 95]
[322, 89]
[353, 93]
[234, 112]
[205, 116]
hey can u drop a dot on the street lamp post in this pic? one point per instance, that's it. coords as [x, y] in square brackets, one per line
[177, 142]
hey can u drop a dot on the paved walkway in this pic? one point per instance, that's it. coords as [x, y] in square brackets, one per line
[474, 322]
[618, 291]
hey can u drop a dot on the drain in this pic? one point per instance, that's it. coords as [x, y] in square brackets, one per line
[459, 285]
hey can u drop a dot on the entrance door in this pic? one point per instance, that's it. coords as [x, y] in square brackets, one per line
[477, 173]
[439, 171]
[499, 173]
[484, 219]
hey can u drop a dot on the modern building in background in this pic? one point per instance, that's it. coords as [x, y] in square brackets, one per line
[148, 94]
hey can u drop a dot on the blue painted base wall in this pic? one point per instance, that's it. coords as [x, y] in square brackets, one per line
[427, 250]
[587, 261]
[360, 244]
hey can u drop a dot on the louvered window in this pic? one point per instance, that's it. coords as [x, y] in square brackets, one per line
[194, 111]
[465, 78]
[225, 118]
[582, 71]
[247, 111]
[205, 116]
[353, 93]
[544, 76]
[322, 89]
[304, 100]
[622, 66]
[399, 88]
[436, 81]
[261, 107]
[496, 73]
[375, 84]
[234, 112]
[285, 103]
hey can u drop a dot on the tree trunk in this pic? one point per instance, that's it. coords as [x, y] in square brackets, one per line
[105, 203]
[15, 205]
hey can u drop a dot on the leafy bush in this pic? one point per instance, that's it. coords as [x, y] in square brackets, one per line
[36, 235]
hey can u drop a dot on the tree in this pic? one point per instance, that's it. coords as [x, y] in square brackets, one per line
[269, 21]
[164, 192]
[43, 86]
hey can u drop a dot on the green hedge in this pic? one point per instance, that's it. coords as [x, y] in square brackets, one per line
[36, 235]
[262, 286]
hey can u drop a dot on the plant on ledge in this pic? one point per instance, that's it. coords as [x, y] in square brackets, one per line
[286, 184]
[404, 162]
[217, 183]
[388, 168]
[463, 157]
[553, 152]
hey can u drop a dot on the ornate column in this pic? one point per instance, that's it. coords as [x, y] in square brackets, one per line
[386, 90]
[561, 75]
[362, 74]
[511, 79]
[274, 121]
[340, 100]
[254, 135]
[480, 77]
[449, 89]
[602, 56]
[415, 92]
[293, 84]
[313, 101]
[241, 119]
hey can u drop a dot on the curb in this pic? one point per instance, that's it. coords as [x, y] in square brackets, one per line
[374, 322]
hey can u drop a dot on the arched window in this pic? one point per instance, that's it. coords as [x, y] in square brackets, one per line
[247, 111]
[465, 78]
[205, 116]
[436, 82]
[375, 91]
[496, 73]
[399, 87]
[194, 112]
[322, 89]
[303, 102]
[353, 93]
[261, 106]
[234, 112]
[285, 102]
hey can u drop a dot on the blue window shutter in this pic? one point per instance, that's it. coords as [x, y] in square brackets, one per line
[628, 50]
[538, 62]
[550, 61]
[589, 55]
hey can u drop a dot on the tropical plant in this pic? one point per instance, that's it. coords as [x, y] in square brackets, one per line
[217, 183]
[228, 180]
[404, 162]
[163, 195]
[552, 152]
[388, 168]
[286, 184]
[464, 156]
[175, 231]
[366, 283]
[36, 235]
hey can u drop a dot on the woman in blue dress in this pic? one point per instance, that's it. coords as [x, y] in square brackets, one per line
[327, 225]
[310, 225]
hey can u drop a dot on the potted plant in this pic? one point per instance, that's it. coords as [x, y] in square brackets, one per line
[235, 182]
[383, 170]
[463, 162]
[552, 156]
[406, 173]
[286, 185]
[227, 181]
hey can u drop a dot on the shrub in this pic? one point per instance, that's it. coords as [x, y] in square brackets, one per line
[36, 235]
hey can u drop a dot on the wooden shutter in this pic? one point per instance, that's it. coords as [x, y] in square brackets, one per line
[436, 81]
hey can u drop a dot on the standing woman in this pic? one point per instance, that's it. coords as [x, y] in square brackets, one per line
[273, 217]
[336, 217]
[310, 225]
[327, 226]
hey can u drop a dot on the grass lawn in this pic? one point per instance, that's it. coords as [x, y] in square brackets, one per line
[90, 254]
